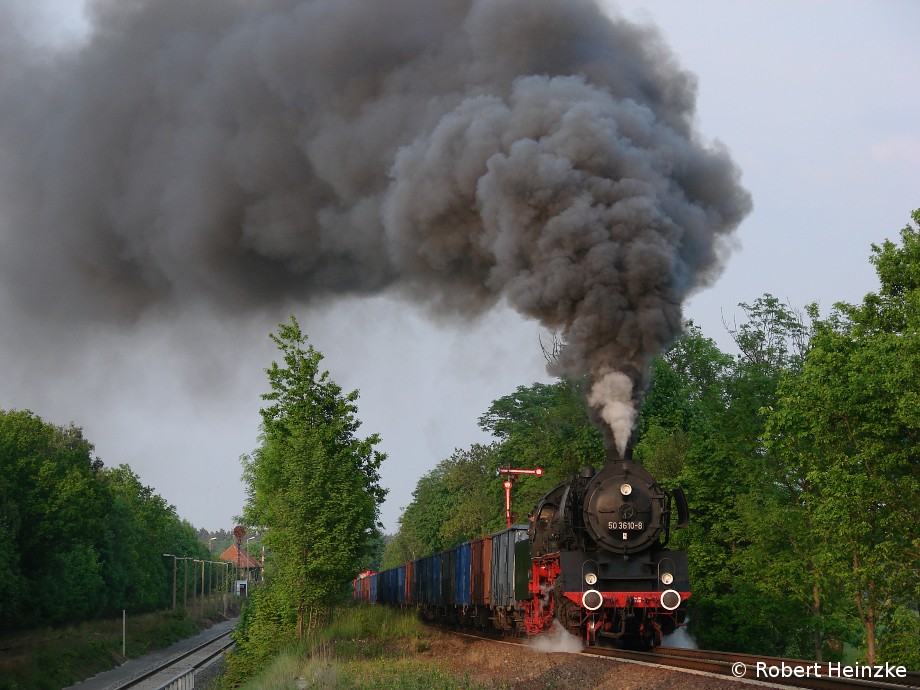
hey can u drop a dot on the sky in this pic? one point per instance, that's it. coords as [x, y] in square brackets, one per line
[817, 105]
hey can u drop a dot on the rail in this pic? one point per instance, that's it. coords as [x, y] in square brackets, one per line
[813, 675]
[177, 673]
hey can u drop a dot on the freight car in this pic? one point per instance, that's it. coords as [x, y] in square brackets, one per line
[594, 557]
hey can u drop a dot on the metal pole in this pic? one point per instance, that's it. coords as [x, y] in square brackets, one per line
[194, 580]
[249, 562]
[173, 556]
[124, 623]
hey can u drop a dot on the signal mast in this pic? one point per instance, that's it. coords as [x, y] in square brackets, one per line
[512, 474]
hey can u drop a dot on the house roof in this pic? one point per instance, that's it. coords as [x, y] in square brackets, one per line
[245, 560]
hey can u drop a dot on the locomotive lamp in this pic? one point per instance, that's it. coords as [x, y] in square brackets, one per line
[670, 599]
[592, 600]
[626, 489]
[666, 578]
[591, 579]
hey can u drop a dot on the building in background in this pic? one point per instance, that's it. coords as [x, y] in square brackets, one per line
[248, 568]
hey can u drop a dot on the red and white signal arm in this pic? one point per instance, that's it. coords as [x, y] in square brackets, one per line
[537, 471]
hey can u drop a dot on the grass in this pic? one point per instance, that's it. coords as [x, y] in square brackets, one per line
[55, 657]
[362, 647]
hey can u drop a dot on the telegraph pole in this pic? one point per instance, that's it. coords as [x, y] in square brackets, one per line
[170, 555]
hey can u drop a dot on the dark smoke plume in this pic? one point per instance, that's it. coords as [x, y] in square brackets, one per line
[237, 154]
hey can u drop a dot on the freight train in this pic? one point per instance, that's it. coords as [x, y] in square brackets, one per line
[594, 558]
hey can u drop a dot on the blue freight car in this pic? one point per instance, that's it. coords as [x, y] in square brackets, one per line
[374, 586]
[399, 585]
[388, 587]
[428, 581]
[442, 585]
[463, 573]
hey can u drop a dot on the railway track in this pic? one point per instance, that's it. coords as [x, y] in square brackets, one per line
[174, 672]
[792, 672]
[811, 674]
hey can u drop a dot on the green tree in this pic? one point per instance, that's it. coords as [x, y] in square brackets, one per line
[420, 524]
[460, 499]
[375, 550]
[851, 423]
[313, 490]
[54, 519]
[476, 504]
[10, 569]
[701, 427]
[767, 579]
[140, 526]
[79, 540]
[688, 392]
[544, 425]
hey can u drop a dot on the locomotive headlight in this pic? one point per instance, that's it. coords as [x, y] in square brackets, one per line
[592, 600]
[626, 489]
[670, 599]
[591, 578]
[666, 578]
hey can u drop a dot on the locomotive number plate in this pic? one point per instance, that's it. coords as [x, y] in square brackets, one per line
[621, 525]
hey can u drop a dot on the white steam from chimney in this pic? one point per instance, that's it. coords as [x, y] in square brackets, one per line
[612, 393]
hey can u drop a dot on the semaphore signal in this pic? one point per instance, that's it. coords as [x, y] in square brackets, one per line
[512, 474]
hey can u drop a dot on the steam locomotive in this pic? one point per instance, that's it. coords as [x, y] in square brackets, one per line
[594, 557]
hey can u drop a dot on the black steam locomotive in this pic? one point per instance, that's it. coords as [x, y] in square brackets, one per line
[594, 557]
[599, 559]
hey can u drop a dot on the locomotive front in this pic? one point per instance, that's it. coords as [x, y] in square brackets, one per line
[599, 559]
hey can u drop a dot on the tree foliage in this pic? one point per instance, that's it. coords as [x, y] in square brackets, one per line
[313, 493]
[849, 425]
[79, 540]
[544, 425]
[461, 498]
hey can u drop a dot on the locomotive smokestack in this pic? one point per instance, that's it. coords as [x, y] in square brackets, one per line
[235, 155]
[615, 456]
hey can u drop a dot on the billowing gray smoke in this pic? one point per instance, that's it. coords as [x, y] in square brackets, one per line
[236, 153]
